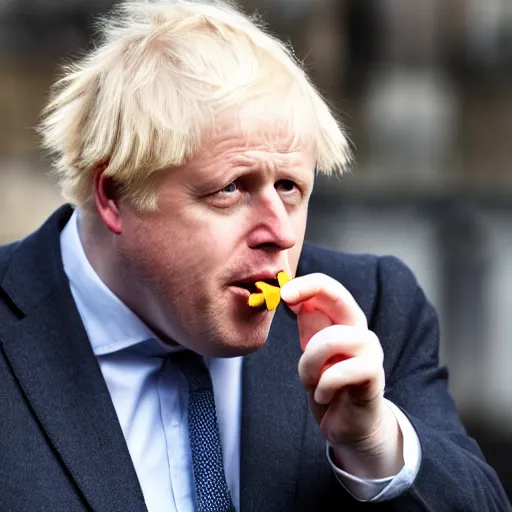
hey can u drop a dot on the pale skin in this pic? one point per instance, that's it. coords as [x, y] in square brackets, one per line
[235, 211]
[346, 399]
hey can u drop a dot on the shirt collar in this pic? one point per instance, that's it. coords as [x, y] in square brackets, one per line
[109, 323]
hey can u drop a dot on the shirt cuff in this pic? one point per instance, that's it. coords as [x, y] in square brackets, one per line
[382, 489]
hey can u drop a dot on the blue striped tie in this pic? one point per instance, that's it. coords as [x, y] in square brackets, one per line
[210, 481]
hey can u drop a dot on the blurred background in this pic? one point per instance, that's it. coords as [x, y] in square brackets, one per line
[425, 90]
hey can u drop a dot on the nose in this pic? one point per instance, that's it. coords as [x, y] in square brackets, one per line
[273, 227]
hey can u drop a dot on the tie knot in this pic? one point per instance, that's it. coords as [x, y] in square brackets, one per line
[193, 367]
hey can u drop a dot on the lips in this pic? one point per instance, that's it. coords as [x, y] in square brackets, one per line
[248, 283]
[251, 287]
[262, 290]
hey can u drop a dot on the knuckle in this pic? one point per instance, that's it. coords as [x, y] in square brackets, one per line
[304, 371]
[331, 345]
[376, 369]
[373, 338]
[374, 343]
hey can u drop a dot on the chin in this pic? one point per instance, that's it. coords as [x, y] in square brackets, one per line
[247, 341]
[241, 351]
[228, 332]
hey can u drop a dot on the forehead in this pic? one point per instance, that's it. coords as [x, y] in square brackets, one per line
[263, 133]
[234, 153]
[251, 140]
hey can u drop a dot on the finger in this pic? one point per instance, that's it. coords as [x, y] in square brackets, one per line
[335, 341]
[325, 294]
[310, 323]
[365, 374]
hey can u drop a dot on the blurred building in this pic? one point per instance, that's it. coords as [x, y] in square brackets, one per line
[425, 89]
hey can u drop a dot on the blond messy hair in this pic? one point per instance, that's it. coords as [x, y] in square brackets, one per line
[148, 96]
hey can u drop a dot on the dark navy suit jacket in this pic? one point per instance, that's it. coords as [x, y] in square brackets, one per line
[62, 448]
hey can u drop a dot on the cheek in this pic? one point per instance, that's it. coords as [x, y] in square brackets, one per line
[181, 249]
[300, 224]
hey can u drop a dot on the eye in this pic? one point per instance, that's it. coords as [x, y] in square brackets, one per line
[227, 196]
[230, 189]
[291, 194]
[289, 190]
[286, 186]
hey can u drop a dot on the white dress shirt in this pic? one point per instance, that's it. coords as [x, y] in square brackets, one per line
[152, 405]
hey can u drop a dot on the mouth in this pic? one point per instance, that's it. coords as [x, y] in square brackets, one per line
[250, 285]
[262, 291]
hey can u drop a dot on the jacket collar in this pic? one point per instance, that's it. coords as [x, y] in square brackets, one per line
[53, 361]
[110, 324]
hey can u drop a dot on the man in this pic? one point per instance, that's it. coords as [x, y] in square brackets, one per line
[187, 142]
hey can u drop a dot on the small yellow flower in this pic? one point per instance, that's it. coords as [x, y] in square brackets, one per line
[270, 295]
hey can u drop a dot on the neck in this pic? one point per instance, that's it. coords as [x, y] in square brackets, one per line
[99, 245]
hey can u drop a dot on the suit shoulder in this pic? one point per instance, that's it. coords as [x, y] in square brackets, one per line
[397, 279]
[6, 253]
[316, 258]
[369, 278]
[357, 272]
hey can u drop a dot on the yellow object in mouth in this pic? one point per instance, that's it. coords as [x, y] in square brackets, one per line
[270, 295]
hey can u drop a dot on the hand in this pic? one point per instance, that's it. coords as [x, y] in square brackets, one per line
[341, 369]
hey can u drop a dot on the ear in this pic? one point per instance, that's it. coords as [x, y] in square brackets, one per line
[106, 196]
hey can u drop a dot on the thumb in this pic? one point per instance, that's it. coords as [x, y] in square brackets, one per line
[323, 293]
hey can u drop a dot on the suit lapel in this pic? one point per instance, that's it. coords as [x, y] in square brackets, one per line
[274, 413]
[52, 359]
